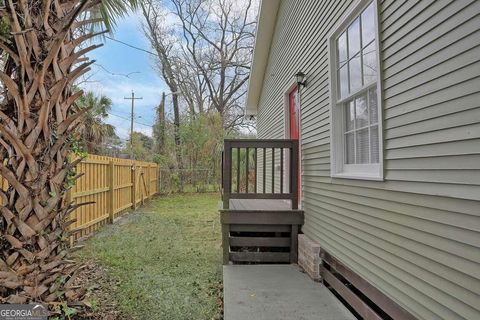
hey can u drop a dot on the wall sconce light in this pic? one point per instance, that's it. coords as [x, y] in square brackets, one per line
[301, 79]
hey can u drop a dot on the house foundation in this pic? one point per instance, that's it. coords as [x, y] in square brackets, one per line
[309, 257]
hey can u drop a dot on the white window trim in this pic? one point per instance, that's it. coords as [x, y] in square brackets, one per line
[337, 144]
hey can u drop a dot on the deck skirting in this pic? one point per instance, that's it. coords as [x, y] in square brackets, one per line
[260, 236]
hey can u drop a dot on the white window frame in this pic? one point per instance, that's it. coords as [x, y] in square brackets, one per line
[337, 122]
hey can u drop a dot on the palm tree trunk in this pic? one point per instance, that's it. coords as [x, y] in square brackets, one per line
[37, 118]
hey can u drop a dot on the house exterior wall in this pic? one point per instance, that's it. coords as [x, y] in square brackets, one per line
[415, 235]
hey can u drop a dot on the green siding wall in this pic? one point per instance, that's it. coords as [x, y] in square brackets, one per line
[416, 235]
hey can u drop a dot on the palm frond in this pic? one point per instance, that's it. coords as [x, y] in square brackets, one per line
[112, 10]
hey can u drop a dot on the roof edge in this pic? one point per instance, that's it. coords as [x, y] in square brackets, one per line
[265, 29]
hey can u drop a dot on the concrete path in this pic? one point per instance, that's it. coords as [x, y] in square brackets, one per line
[277, 292]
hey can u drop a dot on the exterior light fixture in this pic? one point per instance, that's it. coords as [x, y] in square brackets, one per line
[301, 79]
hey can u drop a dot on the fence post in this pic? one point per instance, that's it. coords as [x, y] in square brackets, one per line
[111, 194]
[143, 186]
[134, 187]
[159, 179]
[148, 180]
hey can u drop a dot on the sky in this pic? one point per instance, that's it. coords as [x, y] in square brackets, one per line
[114, 61]
[119, 69]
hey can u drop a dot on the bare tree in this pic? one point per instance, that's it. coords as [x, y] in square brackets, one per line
[193, 85]
[159, 129]
[163, 45]
[206, 52]
[219, 37]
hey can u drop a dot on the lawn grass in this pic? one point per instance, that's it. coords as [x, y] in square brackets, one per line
[165, 258]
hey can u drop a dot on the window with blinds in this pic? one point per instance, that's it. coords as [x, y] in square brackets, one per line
[356, 134]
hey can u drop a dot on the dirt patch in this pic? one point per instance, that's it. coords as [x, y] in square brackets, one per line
[99, 301]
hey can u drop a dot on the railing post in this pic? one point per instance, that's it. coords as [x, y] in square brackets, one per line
[246, 168]
[227, 174]
[226, 242]
[256, 170]
[111, 193]
[237, 165]
[134, 186]
[294, 244]
[294, 174]
[222, 166]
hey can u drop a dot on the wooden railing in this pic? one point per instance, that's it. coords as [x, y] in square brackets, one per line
[260, 169]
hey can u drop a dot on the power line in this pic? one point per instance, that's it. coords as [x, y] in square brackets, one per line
[116, 74]
[132, 46]
[125, 118]
[124, 113]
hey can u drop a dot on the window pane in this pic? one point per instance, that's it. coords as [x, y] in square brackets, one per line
[349, 148]
[355, 74]
[374, 145]
[372, 105]
[368, 25]
[362, 150]
[361, 112]
[354, 38]
[349, 115]
[342, 49]
[343, 81]
[369, 64]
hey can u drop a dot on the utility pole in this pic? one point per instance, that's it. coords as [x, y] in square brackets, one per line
[131, 121]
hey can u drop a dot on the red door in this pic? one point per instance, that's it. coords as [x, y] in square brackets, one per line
[294, 121]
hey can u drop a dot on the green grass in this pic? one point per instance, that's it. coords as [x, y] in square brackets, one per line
[165, 258]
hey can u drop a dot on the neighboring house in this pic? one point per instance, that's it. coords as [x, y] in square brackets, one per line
[389, 133]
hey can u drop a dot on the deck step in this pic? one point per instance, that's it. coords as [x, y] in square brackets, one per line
[260, 235]
[260, 257]
[260, 228]
[260, 241]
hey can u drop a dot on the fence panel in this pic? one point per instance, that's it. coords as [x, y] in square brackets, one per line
[107, 185]
[122, 182]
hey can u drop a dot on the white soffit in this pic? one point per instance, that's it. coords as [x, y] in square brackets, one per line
[266, 26]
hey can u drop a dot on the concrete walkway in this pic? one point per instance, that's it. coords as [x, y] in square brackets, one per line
[277, 292]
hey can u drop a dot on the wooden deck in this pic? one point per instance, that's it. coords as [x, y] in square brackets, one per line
[260, 224]
[260, 205]
[260, 231]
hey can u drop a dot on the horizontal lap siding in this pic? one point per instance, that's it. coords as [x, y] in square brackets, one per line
[415, 236]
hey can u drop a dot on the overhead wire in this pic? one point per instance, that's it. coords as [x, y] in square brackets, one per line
[132, 46]
[129, 119]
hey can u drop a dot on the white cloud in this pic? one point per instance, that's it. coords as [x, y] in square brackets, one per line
[117, 89]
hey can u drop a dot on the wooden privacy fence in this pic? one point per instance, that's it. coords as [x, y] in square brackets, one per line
[110, 185]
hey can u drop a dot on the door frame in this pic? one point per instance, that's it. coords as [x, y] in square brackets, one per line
[286, 133]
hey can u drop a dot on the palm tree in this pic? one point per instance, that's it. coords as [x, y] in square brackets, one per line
[92, 130]
[42, 53]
